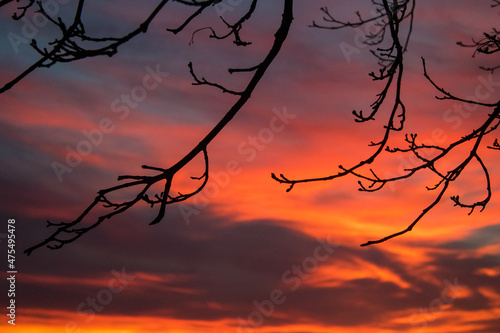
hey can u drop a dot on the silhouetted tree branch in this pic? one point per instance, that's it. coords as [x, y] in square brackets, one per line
[393, 24]
[234, 29]
[69, 47]
[73, 230]
[488, 44]
[22, 9]
[389, 16]
[391, 63]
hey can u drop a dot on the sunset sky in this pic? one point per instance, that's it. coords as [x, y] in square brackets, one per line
[244, 255]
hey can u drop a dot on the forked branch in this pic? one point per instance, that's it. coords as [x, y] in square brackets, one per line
[75, 229]
[74, 41]
[389, 16]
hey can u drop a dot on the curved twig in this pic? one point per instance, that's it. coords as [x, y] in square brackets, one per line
[166, 175]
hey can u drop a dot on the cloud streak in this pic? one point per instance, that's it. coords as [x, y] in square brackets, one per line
[248, 260]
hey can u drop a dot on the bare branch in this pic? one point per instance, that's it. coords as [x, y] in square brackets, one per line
[67, 48]
[393, 75]
[144, 183]
[391, 61]
[234, 29]
[410, 227]
[203, 81]
[488, 44]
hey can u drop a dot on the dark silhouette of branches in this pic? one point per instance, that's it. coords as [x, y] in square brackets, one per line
[234, 29]
[22, 9]
[69, 47]
[392, 22]
[389, 16]
[380, 20]
[73, 230]
[5, 2]
[488, 44]
[495, 145]
[445, 178]
[391, 62]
